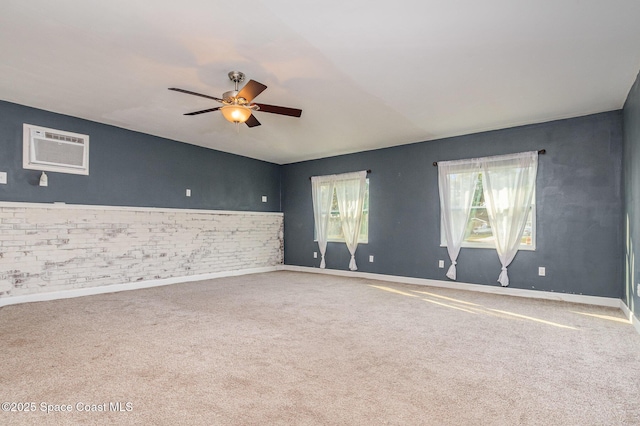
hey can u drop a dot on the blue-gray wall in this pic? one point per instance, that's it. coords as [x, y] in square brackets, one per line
[579, 208]
[134, 169]
[580, 219]
[632, 197]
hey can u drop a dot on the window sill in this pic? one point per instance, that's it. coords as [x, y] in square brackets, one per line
[523, 248]
[342, 241]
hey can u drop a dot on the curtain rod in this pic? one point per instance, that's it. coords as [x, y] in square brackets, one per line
[541, 151]
[368, 171]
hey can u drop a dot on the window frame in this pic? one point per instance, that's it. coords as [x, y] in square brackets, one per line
[365, 207]
[487, 245]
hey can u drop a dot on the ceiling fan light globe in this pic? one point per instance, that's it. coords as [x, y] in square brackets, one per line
[236, 113]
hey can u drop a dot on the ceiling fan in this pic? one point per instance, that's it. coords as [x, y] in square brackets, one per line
[236, 105]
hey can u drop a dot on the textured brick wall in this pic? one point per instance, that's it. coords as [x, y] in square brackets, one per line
[46, 248]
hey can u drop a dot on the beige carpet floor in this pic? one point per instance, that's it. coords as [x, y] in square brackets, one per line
[307, 349]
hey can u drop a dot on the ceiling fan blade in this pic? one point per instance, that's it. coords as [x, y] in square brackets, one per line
[203, 111]
[188, 92]
[251, 90]
[252, 121]
[292, 112]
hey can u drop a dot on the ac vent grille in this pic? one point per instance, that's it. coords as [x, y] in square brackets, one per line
[58, 137]
[56, 153]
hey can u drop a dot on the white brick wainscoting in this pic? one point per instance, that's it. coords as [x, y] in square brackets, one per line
[58, 248]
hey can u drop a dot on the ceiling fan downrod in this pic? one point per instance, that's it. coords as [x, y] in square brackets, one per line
[236, 77]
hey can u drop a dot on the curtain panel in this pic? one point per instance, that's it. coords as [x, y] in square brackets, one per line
[322, 193]
[456, 185]
[509, 182]
[350, 190]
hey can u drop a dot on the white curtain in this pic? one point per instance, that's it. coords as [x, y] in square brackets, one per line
[350, 191]
[322, 193]
[508, 182]
[456, 184]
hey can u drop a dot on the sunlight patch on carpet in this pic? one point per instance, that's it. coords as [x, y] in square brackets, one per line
[446, 298]
[604, 317]
[393, 290]
[449, 306]
[534, 319]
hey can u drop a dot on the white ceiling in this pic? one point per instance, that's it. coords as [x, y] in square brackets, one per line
[366, 73]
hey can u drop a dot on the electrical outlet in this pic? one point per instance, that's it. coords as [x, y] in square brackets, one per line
[315, 254]
[188, 193]
[542, 271]
[638, 290]
[264, 198]
[370, 258]
[441, 264]
[3, 178]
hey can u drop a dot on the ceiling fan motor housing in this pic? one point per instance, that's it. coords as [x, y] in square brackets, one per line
[230, 96]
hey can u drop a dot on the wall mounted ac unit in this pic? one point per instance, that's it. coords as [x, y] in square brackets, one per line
[55, 150]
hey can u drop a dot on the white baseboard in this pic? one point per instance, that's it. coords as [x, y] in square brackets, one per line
[632, 318]
[534, 294]
[88, 291]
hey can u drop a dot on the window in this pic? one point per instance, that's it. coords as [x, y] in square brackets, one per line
[487, 202]
[478, 232]
[334, 232]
